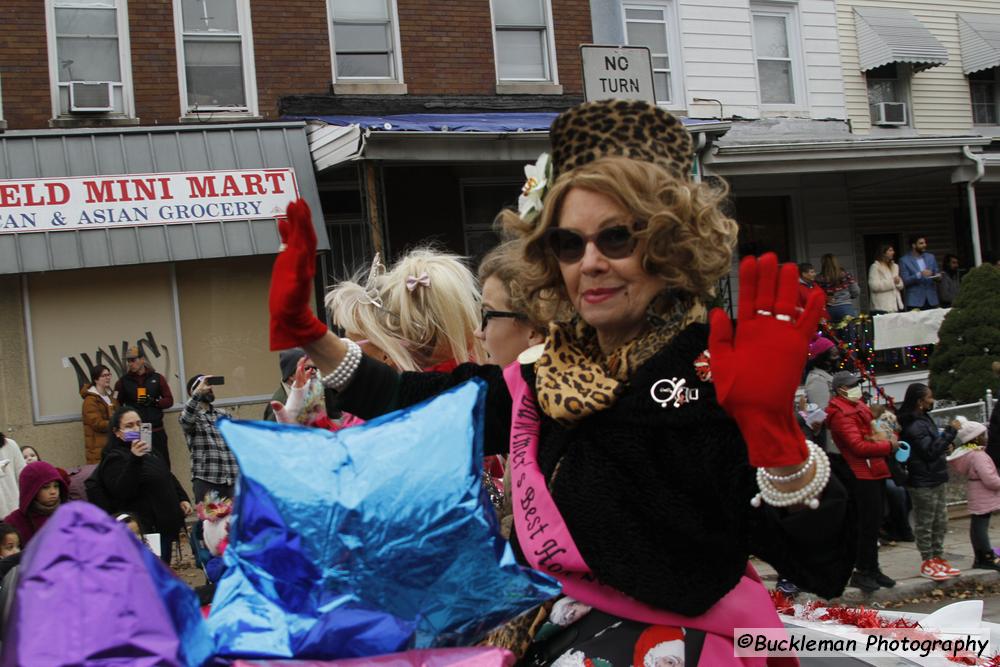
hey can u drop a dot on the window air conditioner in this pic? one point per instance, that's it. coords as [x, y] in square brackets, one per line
[91, 96]
[890, 113]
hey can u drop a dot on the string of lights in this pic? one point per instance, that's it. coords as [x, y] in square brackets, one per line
[854, 337]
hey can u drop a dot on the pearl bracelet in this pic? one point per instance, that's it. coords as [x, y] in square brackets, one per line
[798, 474]
[807, 495]
[340, 376]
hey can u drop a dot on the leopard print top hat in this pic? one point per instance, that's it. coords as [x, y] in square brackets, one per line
[626, 128]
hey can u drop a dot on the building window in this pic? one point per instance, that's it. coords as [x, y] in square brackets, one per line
[653, 25]
[887, 83]
[984, 87]
[89, 56]
[775, 37]
[215, 56]
[365, 40]
[47, 304]
[187, 307]
[523, 40]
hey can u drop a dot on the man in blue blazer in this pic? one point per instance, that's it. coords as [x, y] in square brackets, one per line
[919, 271]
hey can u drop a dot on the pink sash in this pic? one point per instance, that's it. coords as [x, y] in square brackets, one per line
[547, 545]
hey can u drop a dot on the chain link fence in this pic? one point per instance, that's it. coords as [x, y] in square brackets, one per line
[979, 411]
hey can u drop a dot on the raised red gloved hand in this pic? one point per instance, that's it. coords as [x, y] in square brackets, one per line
[757, 371]
[292, 320]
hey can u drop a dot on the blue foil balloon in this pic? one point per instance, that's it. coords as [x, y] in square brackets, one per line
[371, 540]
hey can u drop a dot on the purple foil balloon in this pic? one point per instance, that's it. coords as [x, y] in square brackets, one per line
[88, 594]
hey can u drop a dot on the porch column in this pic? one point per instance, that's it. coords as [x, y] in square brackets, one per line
[372, 185]
[970, 193]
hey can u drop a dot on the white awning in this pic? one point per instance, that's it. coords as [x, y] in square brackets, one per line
[980, 34]
[859, 153]
[895, 36]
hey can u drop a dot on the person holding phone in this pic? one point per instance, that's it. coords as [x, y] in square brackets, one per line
[138, 480]
[213, 466]
[149, 395]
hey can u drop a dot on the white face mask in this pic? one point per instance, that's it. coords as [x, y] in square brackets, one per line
[854, 393]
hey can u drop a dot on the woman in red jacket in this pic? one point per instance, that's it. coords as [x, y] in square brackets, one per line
[850, 424]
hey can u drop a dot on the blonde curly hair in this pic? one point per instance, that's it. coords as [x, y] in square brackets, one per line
[689, 239]
[413, 326]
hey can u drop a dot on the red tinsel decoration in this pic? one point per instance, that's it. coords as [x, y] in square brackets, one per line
[864, 618]
[861, 368]
[784, 604]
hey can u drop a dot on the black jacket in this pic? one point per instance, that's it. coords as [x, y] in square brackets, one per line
[657, 499]
[144, 486]
[927, 465]
[157, 389]
[993, 435]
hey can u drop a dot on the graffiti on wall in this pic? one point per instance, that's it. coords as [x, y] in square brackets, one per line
[157, 354]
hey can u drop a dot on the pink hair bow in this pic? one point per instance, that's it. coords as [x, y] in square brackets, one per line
[413, 281]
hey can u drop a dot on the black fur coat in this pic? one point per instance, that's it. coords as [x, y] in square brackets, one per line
[657, 498]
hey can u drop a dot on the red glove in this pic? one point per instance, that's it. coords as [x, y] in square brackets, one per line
[292, 320]
[756, 373]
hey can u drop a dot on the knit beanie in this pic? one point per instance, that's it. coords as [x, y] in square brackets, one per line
[970, 431]
[288, 360]
[818, 345]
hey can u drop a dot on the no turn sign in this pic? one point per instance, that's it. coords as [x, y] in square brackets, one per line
[617, 72]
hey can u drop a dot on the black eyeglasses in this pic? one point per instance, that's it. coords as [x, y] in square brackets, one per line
[131, 358]
[569, 247]
[490, 314]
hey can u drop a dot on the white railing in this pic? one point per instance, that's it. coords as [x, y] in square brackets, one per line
[979, 411]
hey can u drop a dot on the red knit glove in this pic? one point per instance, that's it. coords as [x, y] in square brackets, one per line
[756, 373]
[292, 320]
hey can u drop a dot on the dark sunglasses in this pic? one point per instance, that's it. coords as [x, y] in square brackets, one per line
[490, 314]
[569, 247]
[131, 358]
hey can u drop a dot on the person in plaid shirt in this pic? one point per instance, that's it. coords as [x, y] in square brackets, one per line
[213, 466]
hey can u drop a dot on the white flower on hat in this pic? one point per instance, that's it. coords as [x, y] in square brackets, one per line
[538, 175]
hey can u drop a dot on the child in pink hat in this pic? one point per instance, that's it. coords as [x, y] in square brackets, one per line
[982, 488]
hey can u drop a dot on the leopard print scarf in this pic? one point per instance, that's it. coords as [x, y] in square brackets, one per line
[574, 378]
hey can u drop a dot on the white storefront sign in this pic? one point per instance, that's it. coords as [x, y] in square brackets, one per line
[617, 72]
[131, 200]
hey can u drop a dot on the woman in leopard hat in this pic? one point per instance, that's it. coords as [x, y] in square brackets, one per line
[650, 453]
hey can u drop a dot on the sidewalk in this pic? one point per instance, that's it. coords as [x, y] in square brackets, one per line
[902, 563]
